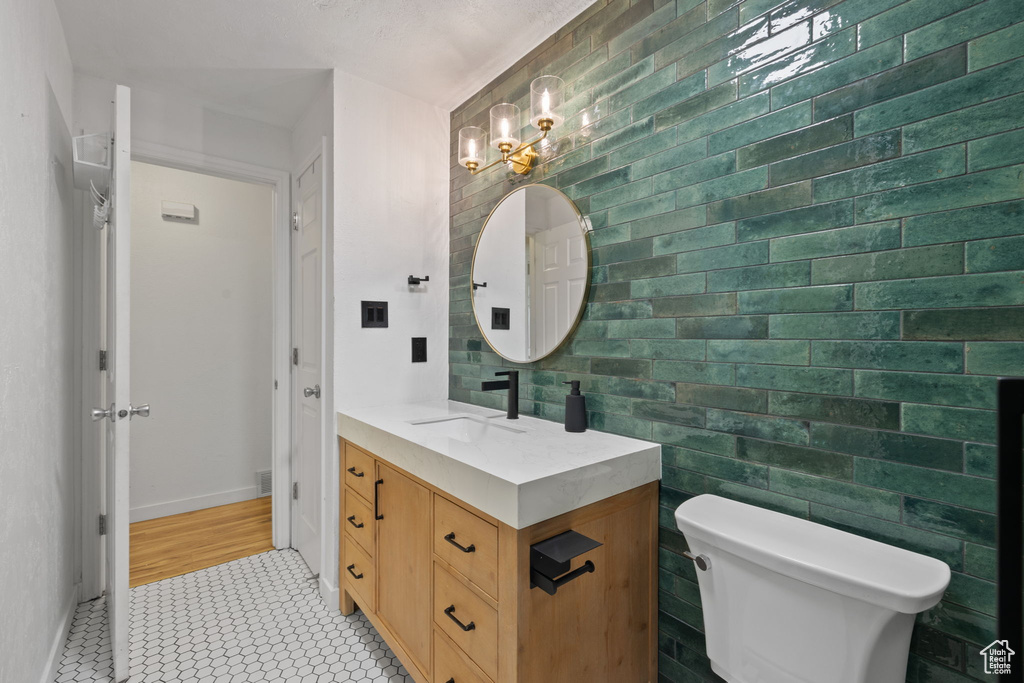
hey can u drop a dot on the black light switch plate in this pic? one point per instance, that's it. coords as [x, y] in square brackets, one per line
[500, 318]
[374, 313]
[419, 349]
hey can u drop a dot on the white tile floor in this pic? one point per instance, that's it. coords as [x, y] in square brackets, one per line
[255, 619]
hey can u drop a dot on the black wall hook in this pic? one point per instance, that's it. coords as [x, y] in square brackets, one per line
[413, 280]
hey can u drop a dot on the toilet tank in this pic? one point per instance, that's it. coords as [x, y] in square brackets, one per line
[786, 600]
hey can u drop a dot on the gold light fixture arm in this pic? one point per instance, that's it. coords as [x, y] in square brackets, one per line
[522, 157]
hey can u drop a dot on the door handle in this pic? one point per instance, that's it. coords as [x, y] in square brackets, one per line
[98, 414]
[141, 411]
[376, 499]
[312, 391]
[450, 613]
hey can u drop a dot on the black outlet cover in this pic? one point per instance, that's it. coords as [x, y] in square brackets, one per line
[374, 313]
[419, 349]
[500, 319]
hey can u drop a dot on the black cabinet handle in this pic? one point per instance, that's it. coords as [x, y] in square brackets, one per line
[450, 680]
[450, 613]
[451, 539]
[357, 474]
[350, 568]
[352, 521]
[376, 499]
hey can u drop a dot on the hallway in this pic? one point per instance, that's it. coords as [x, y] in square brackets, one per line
[179, 544]
[259, 618]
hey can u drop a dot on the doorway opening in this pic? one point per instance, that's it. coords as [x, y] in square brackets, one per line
[202, 335]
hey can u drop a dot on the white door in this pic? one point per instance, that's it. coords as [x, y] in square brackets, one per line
[560, 278]
[307, 333]
[118, 417]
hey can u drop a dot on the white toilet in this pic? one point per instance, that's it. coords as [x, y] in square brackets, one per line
[790, 601]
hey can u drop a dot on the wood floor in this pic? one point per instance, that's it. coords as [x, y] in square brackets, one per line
[179, 544]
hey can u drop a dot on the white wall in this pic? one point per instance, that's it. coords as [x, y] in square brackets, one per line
[316, 123]
[184, 125]
[201, 341]
[38, 411]
[391, 221]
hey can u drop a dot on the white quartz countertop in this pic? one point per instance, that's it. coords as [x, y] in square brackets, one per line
[519, 477]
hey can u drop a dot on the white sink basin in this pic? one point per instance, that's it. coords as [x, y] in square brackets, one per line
[466, 428]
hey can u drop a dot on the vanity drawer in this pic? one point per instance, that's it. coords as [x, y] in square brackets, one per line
[477, 559]
[470, 622]
[358, 522]
[358, 574]
[359, 471]
[449, 665]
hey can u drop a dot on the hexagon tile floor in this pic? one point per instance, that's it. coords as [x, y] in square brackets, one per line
[255, 619]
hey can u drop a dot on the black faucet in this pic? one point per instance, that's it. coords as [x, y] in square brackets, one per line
[512, 384]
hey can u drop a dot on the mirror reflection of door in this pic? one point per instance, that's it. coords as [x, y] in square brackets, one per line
[531, 270]
[559, 264]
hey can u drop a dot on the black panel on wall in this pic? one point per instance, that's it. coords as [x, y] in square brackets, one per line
[374, 314]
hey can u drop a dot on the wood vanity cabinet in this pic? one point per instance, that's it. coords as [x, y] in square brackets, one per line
[448, 586]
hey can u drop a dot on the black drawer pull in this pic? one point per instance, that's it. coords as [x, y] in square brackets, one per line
[354, 473]
[451, 539]
[450, 680]
[352, 521]
[354, 575]
[450, 613]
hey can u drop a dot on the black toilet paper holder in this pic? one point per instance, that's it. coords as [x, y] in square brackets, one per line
[551, 559]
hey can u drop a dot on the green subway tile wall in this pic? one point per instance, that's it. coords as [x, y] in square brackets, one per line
[808, 270]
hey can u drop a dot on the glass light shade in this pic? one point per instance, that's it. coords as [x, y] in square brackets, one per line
[504, 125]
[546, 100]
[472, 145]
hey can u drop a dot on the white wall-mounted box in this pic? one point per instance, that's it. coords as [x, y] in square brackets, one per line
[178, 211]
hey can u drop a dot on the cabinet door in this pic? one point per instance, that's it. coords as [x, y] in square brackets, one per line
[403, 562]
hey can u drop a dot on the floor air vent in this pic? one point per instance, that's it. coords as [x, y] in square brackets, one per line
[264, 483]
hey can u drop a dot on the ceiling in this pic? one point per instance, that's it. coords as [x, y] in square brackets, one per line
[266, 59]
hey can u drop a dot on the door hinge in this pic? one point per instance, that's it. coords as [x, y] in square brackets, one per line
[295, 220]
[103, 525]
[295, 490]
[103, 360]
[295, 355]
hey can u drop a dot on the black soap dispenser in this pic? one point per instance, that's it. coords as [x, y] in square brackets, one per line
[575, 409]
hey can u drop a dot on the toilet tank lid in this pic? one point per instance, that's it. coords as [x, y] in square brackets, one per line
[835, 560]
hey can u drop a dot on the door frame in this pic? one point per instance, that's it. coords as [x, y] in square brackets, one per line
[281, 439]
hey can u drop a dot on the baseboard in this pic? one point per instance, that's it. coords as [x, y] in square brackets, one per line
[61, 637]
[176, 507]
[329, 594]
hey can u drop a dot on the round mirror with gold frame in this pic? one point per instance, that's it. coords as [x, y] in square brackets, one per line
[531, 273]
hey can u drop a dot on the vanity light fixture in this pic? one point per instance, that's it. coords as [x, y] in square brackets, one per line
[545, 102]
